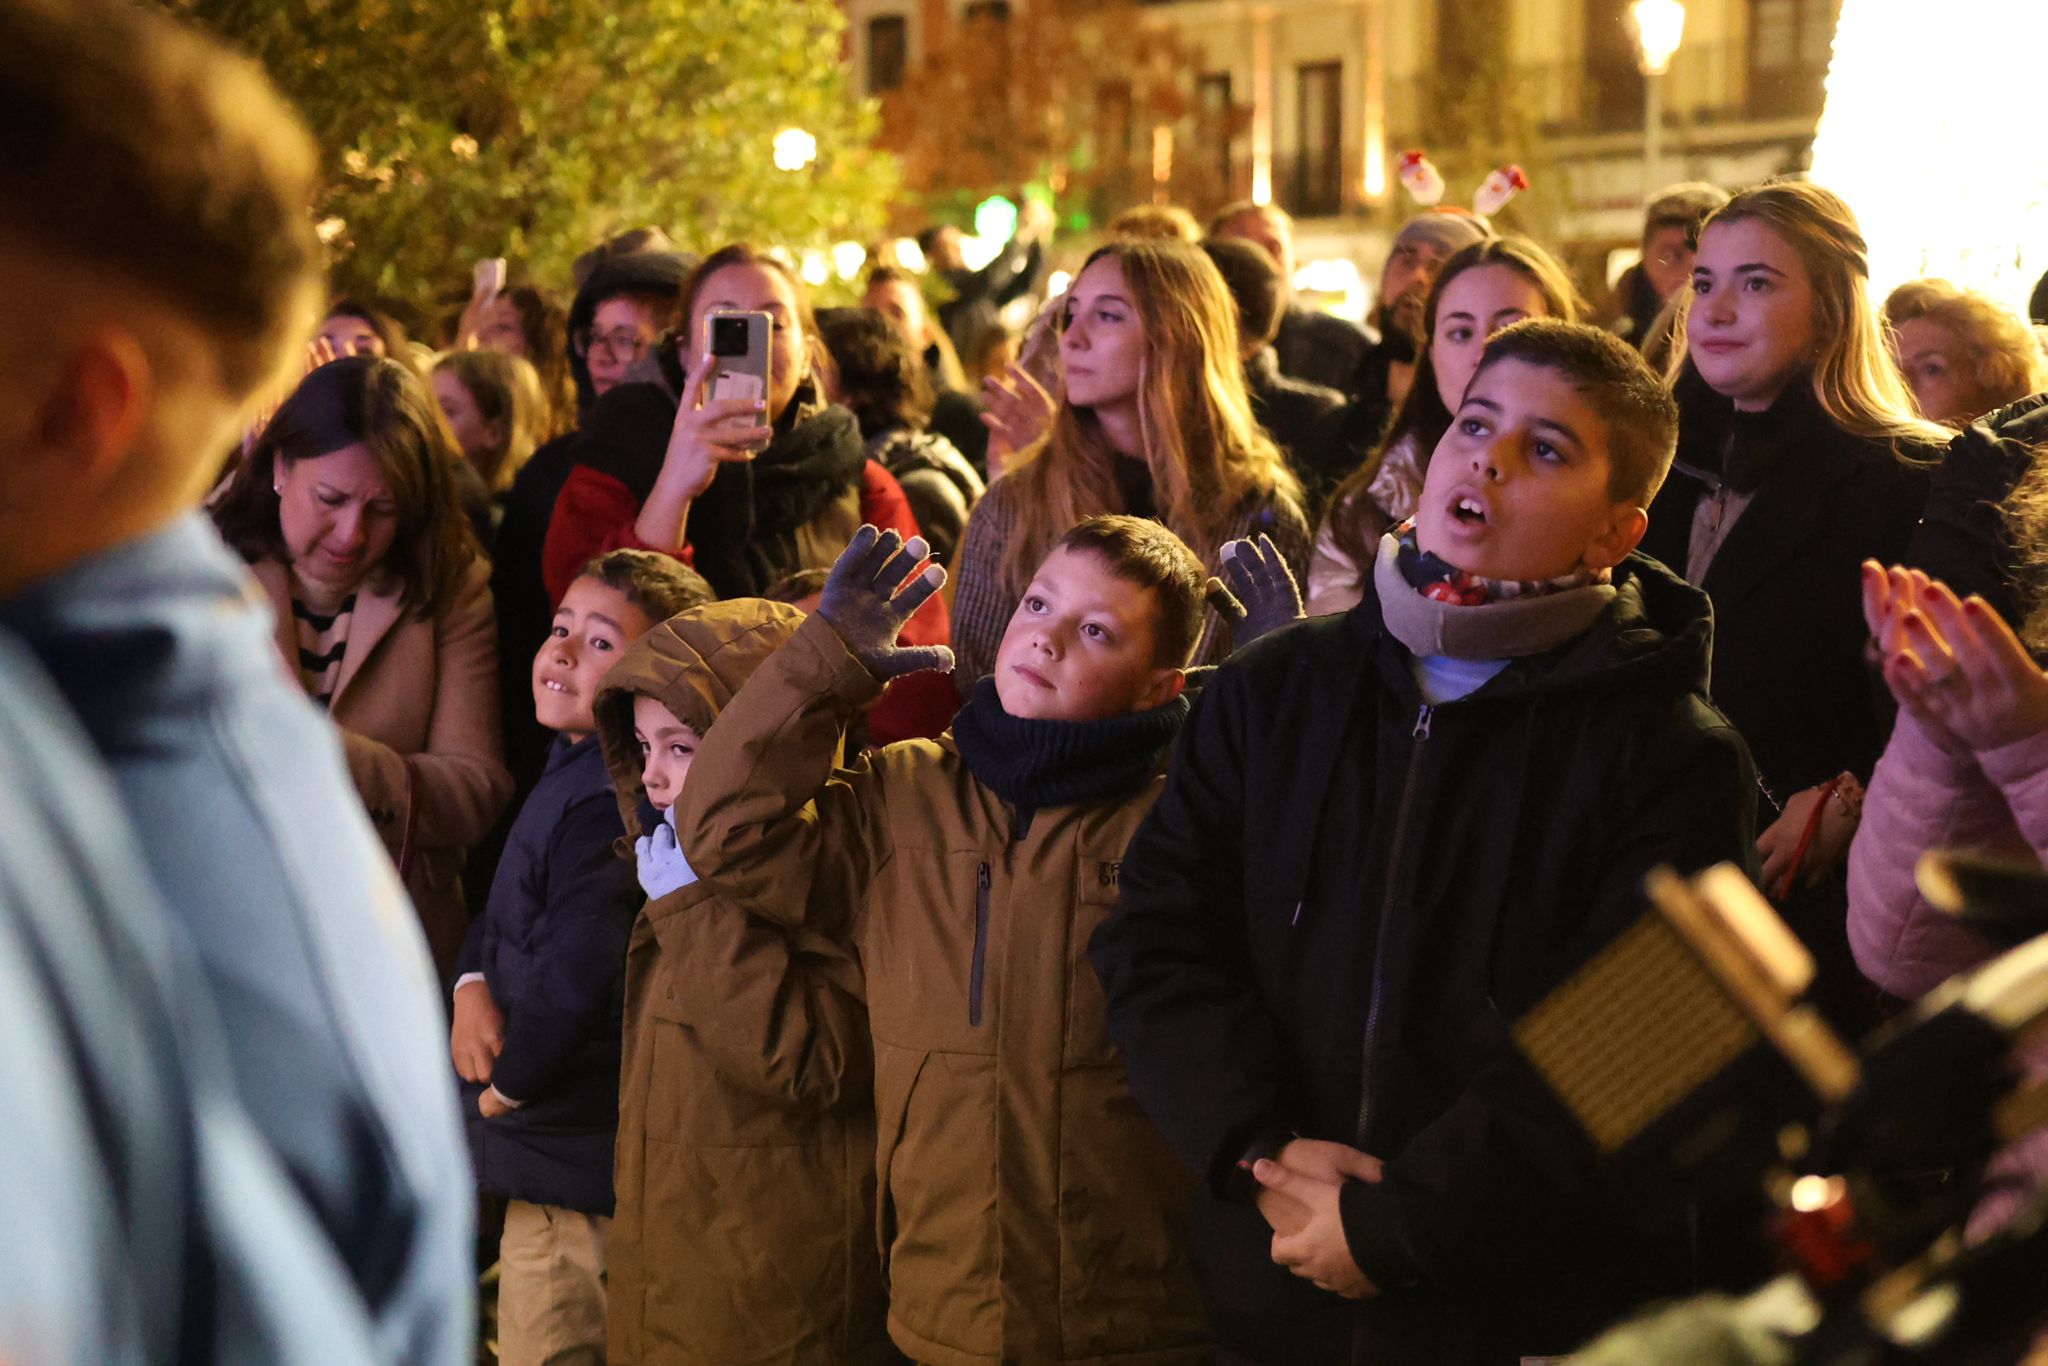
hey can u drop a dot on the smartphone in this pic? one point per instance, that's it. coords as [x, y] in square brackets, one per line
[739, 353]
[490, 277]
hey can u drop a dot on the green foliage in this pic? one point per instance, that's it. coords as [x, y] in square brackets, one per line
[531, 129]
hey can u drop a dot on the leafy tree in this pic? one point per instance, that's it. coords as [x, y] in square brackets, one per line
[531, 129]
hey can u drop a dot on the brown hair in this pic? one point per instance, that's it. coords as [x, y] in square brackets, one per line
[1423, 414]
[1140, 551]
[879, 378]
[1685, 205]
[144, 151]
[659, 585]
[1632, 402]
[390, 332]
[545, 325]
[379, 403]
[506, 390]
[951, 373]
[1206, 455]
[1241, 208]
[2006, 356]
[1167, 222]
[1854, 378]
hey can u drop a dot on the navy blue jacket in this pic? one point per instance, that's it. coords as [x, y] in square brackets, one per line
[551, 945]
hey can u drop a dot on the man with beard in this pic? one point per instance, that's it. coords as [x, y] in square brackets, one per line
[1385, 371]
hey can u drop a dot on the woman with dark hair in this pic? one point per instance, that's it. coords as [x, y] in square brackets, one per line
[527, 322]
[747, 491]
[875, 376]
[356, 327]
[1483, 288]
[348, 515]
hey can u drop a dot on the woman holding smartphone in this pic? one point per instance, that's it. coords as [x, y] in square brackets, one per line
[749, 491]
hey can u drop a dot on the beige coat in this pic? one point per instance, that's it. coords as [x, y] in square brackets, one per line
[1028, 1211]
[745, 1161]
[419, 695]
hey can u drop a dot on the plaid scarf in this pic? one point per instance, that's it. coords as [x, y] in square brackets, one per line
[1442, 582]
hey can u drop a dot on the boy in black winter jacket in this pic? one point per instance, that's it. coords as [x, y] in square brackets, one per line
[538, 996]
[1387, 834]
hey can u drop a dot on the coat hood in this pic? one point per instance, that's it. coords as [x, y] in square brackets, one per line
[694, 664]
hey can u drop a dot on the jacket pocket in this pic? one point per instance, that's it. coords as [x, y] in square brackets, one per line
[1086, 1038]
[977, 971]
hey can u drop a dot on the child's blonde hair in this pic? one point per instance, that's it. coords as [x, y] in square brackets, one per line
[1855, 379]
[1206, 454]
[506, 390]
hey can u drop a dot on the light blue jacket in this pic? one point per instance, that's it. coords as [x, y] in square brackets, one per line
[146, 1221]
[259, 846]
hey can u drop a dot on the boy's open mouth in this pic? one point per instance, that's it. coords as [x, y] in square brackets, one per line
[1468, 512]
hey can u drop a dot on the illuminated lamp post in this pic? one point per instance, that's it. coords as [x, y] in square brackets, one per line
[1660, 26]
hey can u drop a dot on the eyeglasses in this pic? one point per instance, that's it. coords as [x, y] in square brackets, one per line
[621, 344]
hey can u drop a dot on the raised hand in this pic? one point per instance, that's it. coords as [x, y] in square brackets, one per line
[862, 602]
[711, 432]
[1262, 584]
[1960, 666]
[1018, 413]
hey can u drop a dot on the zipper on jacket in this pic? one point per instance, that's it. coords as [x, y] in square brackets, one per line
[1420, 736]
[978, 972]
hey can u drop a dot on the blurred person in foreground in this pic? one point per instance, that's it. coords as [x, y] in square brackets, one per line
[145, 305]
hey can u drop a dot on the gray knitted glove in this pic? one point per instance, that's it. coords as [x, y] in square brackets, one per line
[862, 602]
[1260, 580]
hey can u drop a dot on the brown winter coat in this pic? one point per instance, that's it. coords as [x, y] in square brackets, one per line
[1029, 1212]
[745, 1159]
[421, 695]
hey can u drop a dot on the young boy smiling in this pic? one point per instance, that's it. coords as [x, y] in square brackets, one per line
[1027, 1211]
[1387, 834]
[536, 1032]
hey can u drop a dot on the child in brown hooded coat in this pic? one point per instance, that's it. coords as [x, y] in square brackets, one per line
[744, 1232]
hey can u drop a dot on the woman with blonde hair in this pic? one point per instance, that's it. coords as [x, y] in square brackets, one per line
[1962, 353]
[1487, 286]
[1800, 455]
[1153, 420]
[497, 412]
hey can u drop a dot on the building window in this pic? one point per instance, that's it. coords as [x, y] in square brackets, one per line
[994, 10]
[1319, 130]
[1113, 125]
[1789, 45]
[1215, 119]
[888, 52]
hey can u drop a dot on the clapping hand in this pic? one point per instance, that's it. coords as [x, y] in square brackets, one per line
[1954, 664]
[862, 602]
[1017, 412]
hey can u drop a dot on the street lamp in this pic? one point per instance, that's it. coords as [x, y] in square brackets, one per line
[1660, 25]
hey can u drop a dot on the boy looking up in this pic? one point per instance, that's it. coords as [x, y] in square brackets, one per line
[1387, 834]
[538, 999]
[1028, 1212]
[158, 267]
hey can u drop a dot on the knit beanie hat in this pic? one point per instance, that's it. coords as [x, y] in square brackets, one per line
[1445, 229]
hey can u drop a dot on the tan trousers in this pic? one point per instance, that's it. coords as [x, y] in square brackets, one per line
[551, 1287]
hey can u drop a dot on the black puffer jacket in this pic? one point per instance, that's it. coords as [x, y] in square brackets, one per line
[1339, 904]
[1964, 539]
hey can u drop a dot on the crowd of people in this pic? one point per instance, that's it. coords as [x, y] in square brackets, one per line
[1017, 844]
